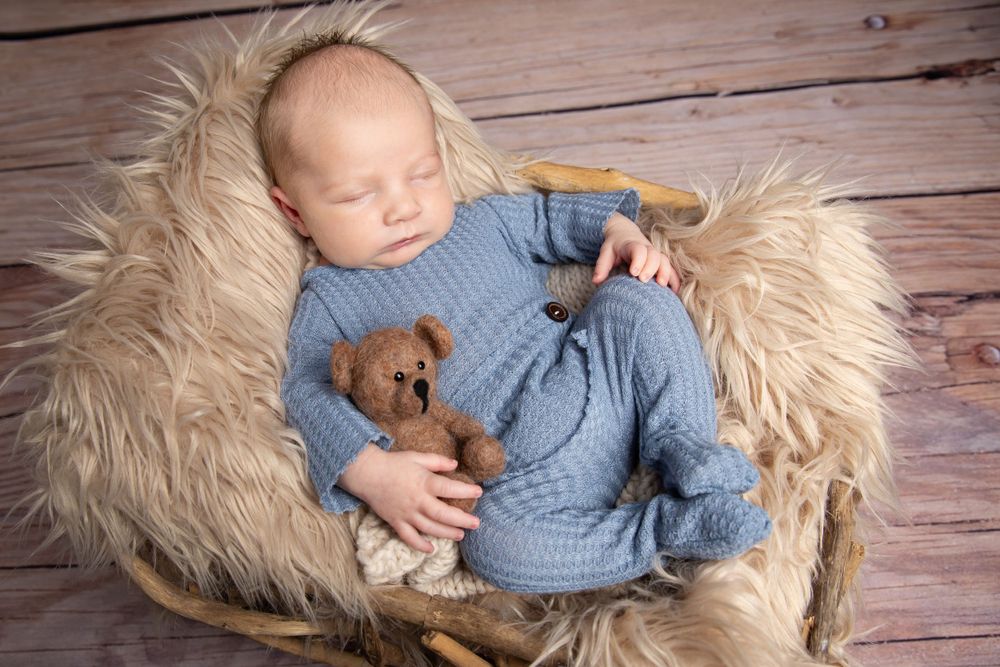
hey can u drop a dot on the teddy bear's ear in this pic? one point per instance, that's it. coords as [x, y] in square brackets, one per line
[435, 334]
[341, 362]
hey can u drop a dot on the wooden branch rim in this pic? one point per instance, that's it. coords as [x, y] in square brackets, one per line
[316, 652]
[451, 650]
[458, 619]
[568, 178]
[840, 558]
[218, 614]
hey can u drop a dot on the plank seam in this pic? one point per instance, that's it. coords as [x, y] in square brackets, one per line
[989, 635]
[31, 35]
[963, 69]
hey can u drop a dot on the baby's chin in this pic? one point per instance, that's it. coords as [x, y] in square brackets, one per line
[394, 258]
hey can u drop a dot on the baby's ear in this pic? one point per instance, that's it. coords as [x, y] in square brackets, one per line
[341, 362]
[289, 210]
[435, 334]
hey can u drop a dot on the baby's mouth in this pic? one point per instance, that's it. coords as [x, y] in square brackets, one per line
[406, 241]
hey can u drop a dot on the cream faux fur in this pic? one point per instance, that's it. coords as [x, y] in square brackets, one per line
[161, 422]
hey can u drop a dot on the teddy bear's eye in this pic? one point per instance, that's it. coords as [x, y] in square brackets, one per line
[420, 365]
[399, 376]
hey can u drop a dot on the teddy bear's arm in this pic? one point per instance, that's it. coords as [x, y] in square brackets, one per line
[459, 424]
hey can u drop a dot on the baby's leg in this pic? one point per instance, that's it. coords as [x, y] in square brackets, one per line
[643, 330]
[549, 524]
[530, 541]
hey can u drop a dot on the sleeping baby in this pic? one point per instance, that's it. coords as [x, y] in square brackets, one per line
[349, 137]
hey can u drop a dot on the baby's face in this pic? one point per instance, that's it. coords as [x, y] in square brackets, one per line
[370, 189]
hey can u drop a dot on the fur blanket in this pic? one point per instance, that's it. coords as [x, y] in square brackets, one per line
[161, 422]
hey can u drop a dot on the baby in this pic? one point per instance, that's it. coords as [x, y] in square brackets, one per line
[349, 136]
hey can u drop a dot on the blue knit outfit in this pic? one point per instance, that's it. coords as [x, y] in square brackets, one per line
[576, 401]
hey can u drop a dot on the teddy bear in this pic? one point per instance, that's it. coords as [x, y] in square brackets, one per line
[391, 376]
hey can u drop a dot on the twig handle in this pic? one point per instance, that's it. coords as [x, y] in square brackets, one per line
[567, 178]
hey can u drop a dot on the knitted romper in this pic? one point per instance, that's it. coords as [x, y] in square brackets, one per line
[576, 401]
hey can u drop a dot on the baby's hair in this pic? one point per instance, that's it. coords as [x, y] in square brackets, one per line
[272, 125]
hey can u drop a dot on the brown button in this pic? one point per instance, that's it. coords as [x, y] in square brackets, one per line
[556, 311]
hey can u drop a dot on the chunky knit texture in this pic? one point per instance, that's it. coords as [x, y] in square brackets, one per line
[570, 400]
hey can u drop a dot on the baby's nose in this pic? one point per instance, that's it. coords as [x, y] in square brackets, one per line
[405, 207]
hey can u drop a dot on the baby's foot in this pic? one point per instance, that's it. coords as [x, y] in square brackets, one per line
[712, 526]
[693, 466]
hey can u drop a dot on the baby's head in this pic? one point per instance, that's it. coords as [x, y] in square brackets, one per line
[348, 136]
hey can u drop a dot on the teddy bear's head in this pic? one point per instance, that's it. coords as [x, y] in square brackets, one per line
[392, 373]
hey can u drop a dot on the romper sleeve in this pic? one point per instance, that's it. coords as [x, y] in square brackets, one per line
[562, 227]
[333, 429]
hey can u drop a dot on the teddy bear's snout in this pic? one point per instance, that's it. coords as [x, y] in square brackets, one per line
[421, 388]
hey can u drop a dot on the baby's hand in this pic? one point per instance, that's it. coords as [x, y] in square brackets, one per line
[624, 242]
[403, 489]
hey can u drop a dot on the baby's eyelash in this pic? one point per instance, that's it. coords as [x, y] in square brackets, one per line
[427, 174]
[356, 197]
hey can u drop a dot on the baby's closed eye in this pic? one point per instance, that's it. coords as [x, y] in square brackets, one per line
[426, 174]
[353, 197]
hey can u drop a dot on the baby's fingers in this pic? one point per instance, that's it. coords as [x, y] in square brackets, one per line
[434, 529]
[667, 275]
[415, 540]
[443, 520]
[674, 280]
[605, 262]
[654, 260]
[433, 462]
[448, 515]
[639, 255]
[445, 487]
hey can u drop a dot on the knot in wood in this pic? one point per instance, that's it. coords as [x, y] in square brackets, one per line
[987, 354]
[876, 22]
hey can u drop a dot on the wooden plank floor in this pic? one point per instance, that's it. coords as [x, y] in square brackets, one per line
[906, 90]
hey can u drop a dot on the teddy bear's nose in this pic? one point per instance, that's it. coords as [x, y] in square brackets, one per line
[420, 388]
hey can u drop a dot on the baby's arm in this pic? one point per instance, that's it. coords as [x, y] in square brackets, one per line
[583, 227]
[624, 242]
[403, 489]
[343, 444]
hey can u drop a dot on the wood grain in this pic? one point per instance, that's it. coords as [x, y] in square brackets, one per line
[95, 618]
[936, 651]
[20, 547]
[915, 424]
[60, 15]
[37, 201]
[951, 334]
[944, 244]
[59, 108]
[932, 581]
[891, 134]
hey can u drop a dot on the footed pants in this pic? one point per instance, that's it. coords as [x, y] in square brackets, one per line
[630, 383]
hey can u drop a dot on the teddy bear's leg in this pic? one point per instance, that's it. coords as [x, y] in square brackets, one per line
[483, 457]
[649, 345]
